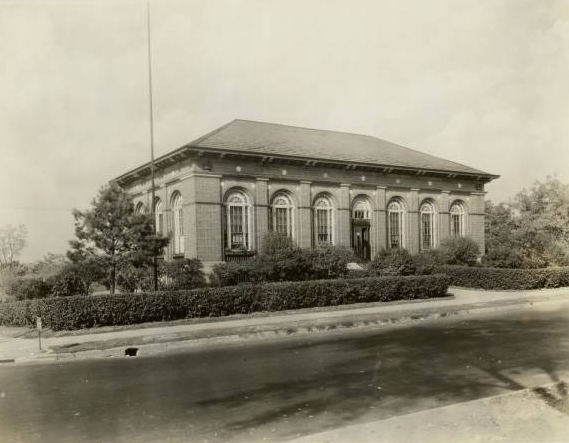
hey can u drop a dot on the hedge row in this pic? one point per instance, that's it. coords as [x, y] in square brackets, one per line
[89, 311]
[497, 278]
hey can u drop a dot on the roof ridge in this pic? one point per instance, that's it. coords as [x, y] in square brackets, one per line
[304, 127]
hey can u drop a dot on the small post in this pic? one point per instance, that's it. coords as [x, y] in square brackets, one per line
[38, 325]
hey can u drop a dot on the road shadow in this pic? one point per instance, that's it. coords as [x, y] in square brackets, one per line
[372, 377]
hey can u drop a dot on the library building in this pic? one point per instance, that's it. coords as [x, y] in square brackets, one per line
[218, 196]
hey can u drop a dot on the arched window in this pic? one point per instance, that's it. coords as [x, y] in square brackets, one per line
[140, 209]
[427, 223]
[159, 216]
[177, 224]
[457, 220]
[282, 215]
[238, 221]
[323, 222]
[361, 210]
[395, 220]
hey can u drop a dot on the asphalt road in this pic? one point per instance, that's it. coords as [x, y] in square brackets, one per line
[279, 389]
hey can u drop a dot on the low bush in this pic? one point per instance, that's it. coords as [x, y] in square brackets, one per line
[107, 310]
[396, 261]
[26, 288]
[182, 274]
[459, 251]
[499, 278]
[229, 273]
[280, 260]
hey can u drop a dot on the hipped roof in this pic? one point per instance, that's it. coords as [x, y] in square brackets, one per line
[275, 140]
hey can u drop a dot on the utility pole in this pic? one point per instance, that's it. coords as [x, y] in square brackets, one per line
[153, 191]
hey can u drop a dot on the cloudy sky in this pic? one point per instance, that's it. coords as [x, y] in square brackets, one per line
[480, 82]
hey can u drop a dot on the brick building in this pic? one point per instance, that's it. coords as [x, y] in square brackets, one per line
[217, 196]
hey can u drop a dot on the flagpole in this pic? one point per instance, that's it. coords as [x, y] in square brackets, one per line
[151, 115]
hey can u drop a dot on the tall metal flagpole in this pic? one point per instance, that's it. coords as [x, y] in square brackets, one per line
[153, 191]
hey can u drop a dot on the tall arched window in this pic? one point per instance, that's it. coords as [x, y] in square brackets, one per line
[159, 216]
[395, 220]
[177, 224]
[238, 221]
[140, 208]
[282, 215]
[427, 227]
[457, 220]
[323, 222]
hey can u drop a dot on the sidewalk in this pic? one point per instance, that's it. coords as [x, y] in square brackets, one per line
[154, 339]
[529, 415]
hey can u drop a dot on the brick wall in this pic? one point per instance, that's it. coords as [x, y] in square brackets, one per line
[203, 195]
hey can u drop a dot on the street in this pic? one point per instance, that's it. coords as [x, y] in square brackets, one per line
[276, 390]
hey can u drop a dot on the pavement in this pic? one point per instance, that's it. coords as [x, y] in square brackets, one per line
[511, 417]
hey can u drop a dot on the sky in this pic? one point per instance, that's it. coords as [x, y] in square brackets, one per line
[479, 82]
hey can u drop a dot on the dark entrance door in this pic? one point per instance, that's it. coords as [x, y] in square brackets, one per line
[360, 239]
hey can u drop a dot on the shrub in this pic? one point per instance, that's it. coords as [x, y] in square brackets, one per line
[282, 261]
[183, 274]
[502, 257]
[427, 261]
[68, 282]
[496, 278]
[277, 246]
[460, 251]
[397, 261]
[328, 262]
[229, 273]
[26, 288]
[84, 312]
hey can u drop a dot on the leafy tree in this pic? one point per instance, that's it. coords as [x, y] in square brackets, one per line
[12, 242]
[542, 232]
[50, 265]
[501, 249]
[532, 231]
[112, 236]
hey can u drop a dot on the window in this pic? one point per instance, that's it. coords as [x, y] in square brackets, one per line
[140, 209]
[323, 222]
[177, 224]
[427, 214]
[457, 220]
[282, 215]
[395, 224]
[159, 216]
[361, 210]
[238, 216]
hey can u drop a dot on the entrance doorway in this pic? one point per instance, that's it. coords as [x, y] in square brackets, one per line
[360, 239]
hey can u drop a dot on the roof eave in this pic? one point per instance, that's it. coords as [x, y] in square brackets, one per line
[186, 151]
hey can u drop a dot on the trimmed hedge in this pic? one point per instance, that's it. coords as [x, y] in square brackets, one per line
[89, 311]
[501, 278]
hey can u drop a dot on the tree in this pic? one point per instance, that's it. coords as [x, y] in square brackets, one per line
[112, 236]
[12, 242]
[542, 232]
[501, 246]
[532, 231]
[50, 265]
